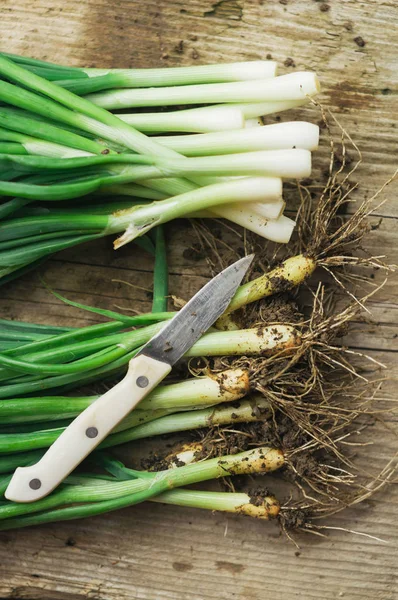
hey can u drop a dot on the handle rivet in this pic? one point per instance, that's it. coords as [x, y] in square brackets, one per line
[142, 381]
[91, 432]
[35, 484]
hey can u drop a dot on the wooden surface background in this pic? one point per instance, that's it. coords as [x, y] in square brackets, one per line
[152, 552]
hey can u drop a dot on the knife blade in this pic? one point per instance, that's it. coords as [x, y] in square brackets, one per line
[146, 370]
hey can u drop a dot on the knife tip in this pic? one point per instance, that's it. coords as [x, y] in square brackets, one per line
[245, 262]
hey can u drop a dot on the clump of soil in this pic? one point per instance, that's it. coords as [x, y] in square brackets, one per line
[294, 519]
[257, 495]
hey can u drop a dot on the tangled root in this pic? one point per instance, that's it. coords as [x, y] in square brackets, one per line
[319, 397]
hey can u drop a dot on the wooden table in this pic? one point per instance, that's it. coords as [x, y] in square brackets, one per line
[153, 551]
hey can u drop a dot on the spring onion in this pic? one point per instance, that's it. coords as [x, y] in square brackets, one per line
[96, 496]
[79, 363]
[280, 136]
[224, 72]
[226, 386]
[233, 502]
[292, 272]
[199, 120]
[254, 110]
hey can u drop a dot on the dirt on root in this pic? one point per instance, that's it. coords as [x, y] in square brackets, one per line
[278, 308]
[294, 519]
[257, 495]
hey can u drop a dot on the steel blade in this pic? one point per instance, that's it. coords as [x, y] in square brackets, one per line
[195, 318]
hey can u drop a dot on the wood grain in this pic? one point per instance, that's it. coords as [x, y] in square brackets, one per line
[155, 552]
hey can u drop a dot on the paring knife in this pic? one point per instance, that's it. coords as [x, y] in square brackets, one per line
[146, 370]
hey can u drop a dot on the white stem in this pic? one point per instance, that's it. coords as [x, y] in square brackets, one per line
[50, 149]
[227, 72]
[200, 120]
[278, 136]
[264, 210]
[276, 230]
[294, 86]
[264, 163]
[139, 143]
[253, 110]
[139, 220]
[226, 386]
[249, 123]
[132, 189]
[272, 163]
[268, 210]
[269, 339]
[233, 502]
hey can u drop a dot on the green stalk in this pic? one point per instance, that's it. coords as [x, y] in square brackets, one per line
[36, 384]
[29, 332]
[22, 257]
[66, 336]
[95, 353]
[33, 225]
[11, 206]
[9, 462]
[160, 273]
[54, 74]
[36, 439]
[18, 251]
[132, 189]
[28, 61]
[7, 275]
[31, 130]
[12, 148]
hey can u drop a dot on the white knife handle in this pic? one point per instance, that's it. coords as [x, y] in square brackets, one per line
[86, 431]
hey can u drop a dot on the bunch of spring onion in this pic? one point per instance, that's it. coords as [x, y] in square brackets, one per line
[36, 360]
[29, 424]
[59, 142]
[87, 495]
